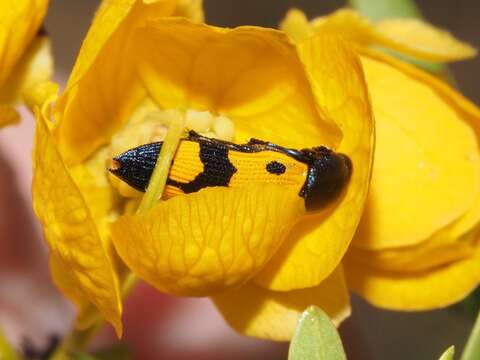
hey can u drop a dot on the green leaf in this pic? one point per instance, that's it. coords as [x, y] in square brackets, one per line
[377, 10]
[472, 349]
[448, 354]
[7, 352]
[316, 338]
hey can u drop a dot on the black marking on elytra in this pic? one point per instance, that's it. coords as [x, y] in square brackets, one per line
[135, 166]
[276, 168]
[328, 171]
[217, 169]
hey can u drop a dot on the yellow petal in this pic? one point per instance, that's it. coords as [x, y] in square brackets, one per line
[19, 22]
[251, 75]
[33, 68]
[92, 181]
[454, 242]
[110, 17]
[41, 96]
[200, 243]
[420, 39]
[408, 36]
[70, 231]
[67, 283]
[103, 70]
[96, 102]
[190, 9]
[426, 150]
[437, 287]
[434, 252]
[255, 311]
[8, 115]
[346, 23]
[317, 243]
[296, 25]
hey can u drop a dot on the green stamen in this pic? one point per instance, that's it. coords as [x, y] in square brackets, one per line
[160, 172]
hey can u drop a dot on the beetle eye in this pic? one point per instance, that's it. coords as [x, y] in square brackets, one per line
[326, 180]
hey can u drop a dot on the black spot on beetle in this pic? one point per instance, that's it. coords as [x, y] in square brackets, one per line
[274, 167]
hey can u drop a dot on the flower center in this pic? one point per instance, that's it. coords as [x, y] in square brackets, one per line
[149, 124]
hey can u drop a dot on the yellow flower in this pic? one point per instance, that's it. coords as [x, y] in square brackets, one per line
[251, 248]
[24, 54]
[417, 244]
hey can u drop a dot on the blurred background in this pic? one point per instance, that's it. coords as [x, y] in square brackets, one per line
[161, 327]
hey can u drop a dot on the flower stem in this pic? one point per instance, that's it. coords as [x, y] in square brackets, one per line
[472, 349]
[76, 340]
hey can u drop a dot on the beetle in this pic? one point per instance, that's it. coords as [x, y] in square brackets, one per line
[318, 174]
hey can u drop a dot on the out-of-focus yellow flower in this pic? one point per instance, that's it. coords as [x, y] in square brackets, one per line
[417, 244]
[24, 54]
[252, 249]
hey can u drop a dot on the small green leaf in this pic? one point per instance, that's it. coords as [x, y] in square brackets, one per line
[316, 338]
[448, 354]
[7, 352]
[472, 348]
[377, 10]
